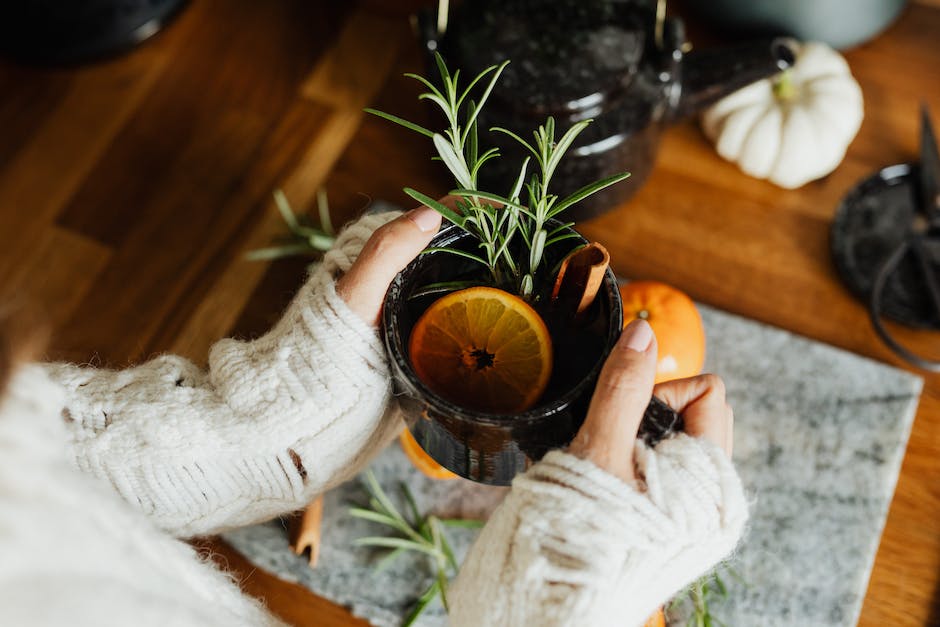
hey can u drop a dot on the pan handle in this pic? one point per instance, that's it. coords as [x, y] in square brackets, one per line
[881, 281]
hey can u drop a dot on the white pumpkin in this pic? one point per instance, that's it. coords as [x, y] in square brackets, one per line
[792, 128]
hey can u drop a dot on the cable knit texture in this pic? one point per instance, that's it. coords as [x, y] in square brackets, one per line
[273, 422]
[168, 447]
[73, 553]
[574, 545]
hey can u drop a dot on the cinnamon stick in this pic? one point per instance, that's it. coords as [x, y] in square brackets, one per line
[580, 278]
[305, 531]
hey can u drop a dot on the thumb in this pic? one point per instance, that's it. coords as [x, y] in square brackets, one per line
[392, 247]
[623, 391]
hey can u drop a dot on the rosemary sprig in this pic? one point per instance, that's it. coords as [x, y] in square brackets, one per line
[416, 533]
[303, 238]
[701, 595]
[495, 220]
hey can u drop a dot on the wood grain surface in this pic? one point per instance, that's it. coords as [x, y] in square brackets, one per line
[131, 190]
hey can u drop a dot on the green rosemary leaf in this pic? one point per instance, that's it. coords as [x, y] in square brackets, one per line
[452, 92]
[283, 206]
[320, 242]
[375, 489]
[487, 91]
[525, 144]
[441, 67]
[454, 251]
[479, 77]
[492, 153]
[442, 586]
[538, 247]
[441, 208]
[387, 560]
[412, 504]
[368, 514]
[323, 207]
[550, 131]
[441, 102]
[586, 191]
[472, 142]
[559, 238]
[517, 186]
[383, 518]
[423, 601]
[433, 89]
[503, 252]
[278, 252]
[527, 286]
[401, 122]
[524, 232]
[445, 545]
[452, 160]
[445, 287]
[396, 543]
[471, 193]
[559, 149]
[560, 229]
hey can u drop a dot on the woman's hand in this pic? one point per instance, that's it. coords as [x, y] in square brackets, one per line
[623, 391]
[388, 251]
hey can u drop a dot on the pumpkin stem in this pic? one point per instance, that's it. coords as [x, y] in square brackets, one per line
[784, 87]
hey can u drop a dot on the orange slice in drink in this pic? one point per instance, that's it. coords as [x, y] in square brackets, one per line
[422, 461]
[483, 349]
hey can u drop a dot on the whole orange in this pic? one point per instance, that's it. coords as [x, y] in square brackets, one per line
[422, 461]
[656, 620]
[676, 322]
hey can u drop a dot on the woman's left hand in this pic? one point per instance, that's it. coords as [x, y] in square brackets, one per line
[391, 248]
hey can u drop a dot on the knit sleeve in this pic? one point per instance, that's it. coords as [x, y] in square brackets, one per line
[574, 545]
[271, 424]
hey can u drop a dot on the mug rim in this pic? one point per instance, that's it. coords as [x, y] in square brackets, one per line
[395, 345]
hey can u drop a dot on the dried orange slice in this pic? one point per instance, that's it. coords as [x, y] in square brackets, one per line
[422, 461]
[676, 322]
[483, 349]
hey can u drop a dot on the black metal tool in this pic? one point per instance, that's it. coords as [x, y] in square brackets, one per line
[886, 245]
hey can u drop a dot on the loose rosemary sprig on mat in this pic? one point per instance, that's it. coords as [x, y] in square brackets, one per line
[303, 239]
[421, 534]
[700, 596]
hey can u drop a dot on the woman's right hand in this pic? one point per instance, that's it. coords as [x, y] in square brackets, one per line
[608, 435]
[596, 550]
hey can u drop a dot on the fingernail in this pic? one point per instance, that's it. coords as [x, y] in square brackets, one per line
[425, 218]
[637, 336]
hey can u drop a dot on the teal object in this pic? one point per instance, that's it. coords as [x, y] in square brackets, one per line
[840, 23]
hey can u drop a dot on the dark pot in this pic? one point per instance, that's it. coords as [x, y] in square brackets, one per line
[64, 32]
[608, 61]
[492, 448]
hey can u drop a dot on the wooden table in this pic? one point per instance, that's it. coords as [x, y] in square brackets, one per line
[130, 191]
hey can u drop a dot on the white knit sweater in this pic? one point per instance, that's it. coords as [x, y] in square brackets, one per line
[168, 450]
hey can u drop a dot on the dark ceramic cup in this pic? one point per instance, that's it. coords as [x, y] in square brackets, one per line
[483, 447]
